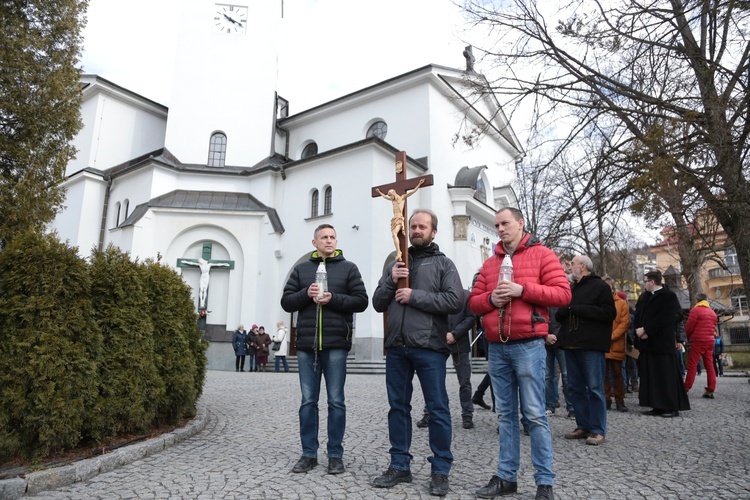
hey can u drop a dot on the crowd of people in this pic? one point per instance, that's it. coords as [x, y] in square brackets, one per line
[544, 318]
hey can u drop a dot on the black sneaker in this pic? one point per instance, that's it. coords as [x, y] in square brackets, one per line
[425, 422]
[525, 429]
[304, 464]
[336, 465]
[621, 407]
[439, 485]
[544, 492]
[391, 478]
[496, 487]
[468, 422]
[479, 401]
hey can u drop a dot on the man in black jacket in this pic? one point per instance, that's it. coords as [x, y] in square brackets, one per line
[323, 341]
[459, 341]
[585, 333]
[415, 338]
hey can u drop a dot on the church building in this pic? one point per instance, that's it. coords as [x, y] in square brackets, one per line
[228, 175]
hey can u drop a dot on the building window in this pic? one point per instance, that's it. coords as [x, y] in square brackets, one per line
[117, 214]
[327, 201]
[126, 204]
[310, 150]
[730, 257]
[314, 203]
[739, 301]
[480, 193]
[217, 150]
[378, 129]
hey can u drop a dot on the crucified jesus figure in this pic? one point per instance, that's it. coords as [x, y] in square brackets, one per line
[398, 224]
[205, 268]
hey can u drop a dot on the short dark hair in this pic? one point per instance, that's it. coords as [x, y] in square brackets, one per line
[323, 226]
[427, 211]
[654, 276]
[517, 214]
[701, 296]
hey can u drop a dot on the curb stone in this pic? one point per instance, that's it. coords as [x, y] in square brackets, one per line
[48, 479]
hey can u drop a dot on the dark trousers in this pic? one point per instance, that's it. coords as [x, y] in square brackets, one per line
[239, 363]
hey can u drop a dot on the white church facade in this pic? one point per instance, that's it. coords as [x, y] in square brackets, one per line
[227, 173]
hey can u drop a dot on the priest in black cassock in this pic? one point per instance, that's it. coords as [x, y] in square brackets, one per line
[657, 313]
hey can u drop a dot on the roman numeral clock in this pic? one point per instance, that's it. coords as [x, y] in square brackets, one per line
[230, 19]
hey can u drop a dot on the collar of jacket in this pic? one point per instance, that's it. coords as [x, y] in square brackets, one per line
[419, 252]
[702, 303]
[316, 257]
[528, 240]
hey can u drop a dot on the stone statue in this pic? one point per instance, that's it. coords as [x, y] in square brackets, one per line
[398, 224]
[205, 268]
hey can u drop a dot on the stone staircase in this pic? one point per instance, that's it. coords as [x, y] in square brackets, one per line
[378, 367]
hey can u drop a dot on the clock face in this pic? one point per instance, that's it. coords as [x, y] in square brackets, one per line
[230, 19]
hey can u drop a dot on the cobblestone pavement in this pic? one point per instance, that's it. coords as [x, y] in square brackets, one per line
[250, 443]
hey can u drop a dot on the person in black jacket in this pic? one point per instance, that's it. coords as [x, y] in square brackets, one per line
[323, 342]
[585, 335]
[459, 341]
[415, 338]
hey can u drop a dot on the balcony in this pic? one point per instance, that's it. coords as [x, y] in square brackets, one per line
[723, 273]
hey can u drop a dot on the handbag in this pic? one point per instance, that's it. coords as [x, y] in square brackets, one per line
[275, 346]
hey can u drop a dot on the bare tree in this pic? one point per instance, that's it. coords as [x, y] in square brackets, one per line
[626, 65]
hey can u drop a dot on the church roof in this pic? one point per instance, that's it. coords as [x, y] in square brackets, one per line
[206, 200]
[467, 177]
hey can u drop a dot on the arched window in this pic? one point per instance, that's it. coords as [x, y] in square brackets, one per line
[378, 129]
[310, 150]
[480, 193]
[217, 150]
[327, 201]
[314, 203]
[117, 214]
[126, 204]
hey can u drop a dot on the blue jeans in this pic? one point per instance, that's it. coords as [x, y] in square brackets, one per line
[586, 388]
[551, 393]
[332, 365]
[513, 368]
[276, 363]
[400, 365]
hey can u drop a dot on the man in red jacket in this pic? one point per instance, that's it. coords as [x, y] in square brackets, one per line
[700, 328]
[515, 318]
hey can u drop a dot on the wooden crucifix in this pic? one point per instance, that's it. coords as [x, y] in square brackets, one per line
[397, 192]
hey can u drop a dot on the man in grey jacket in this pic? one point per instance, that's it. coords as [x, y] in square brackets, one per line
[415, 338]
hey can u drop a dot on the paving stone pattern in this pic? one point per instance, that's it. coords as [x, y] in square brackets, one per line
[250, 442]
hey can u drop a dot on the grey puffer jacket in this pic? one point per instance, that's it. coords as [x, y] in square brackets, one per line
[436, 293]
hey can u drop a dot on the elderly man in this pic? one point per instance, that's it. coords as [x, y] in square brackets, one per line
[585, 331]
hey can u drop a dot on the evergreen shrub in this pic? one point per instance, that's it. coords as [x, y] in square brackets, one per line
[50, 346]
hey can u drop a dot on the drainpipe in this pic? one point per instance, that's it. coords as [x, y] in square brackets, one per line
[103, 226]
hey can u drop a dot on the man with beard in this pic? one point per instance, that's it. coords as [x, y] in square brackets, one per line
[657, 313]
[416, 342]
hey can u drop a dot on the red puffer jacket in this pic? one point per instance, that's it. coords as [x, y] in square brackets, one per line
[535, 267]
[701, 324]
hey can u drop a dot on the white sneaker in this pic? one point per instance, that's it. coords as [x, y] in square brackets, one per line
[549, 413]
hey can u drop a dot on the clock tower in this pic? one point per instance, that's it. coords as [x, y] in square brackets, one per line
[223, 95]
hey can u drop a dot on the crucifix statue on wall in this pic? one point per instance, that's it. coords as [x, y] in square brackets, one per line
[397, 193]
[205, 264]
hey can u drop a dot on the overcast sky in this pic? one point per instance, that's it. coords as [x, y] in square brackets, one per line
[336, 46]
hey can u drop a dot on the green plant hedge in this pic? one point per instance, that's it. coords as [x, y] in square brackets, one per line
[91, 350]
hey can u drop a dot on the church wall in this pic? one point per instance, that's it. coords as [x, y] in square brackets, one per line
[405, 112]
[77, 223]
[107, 120]
[243, 106]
